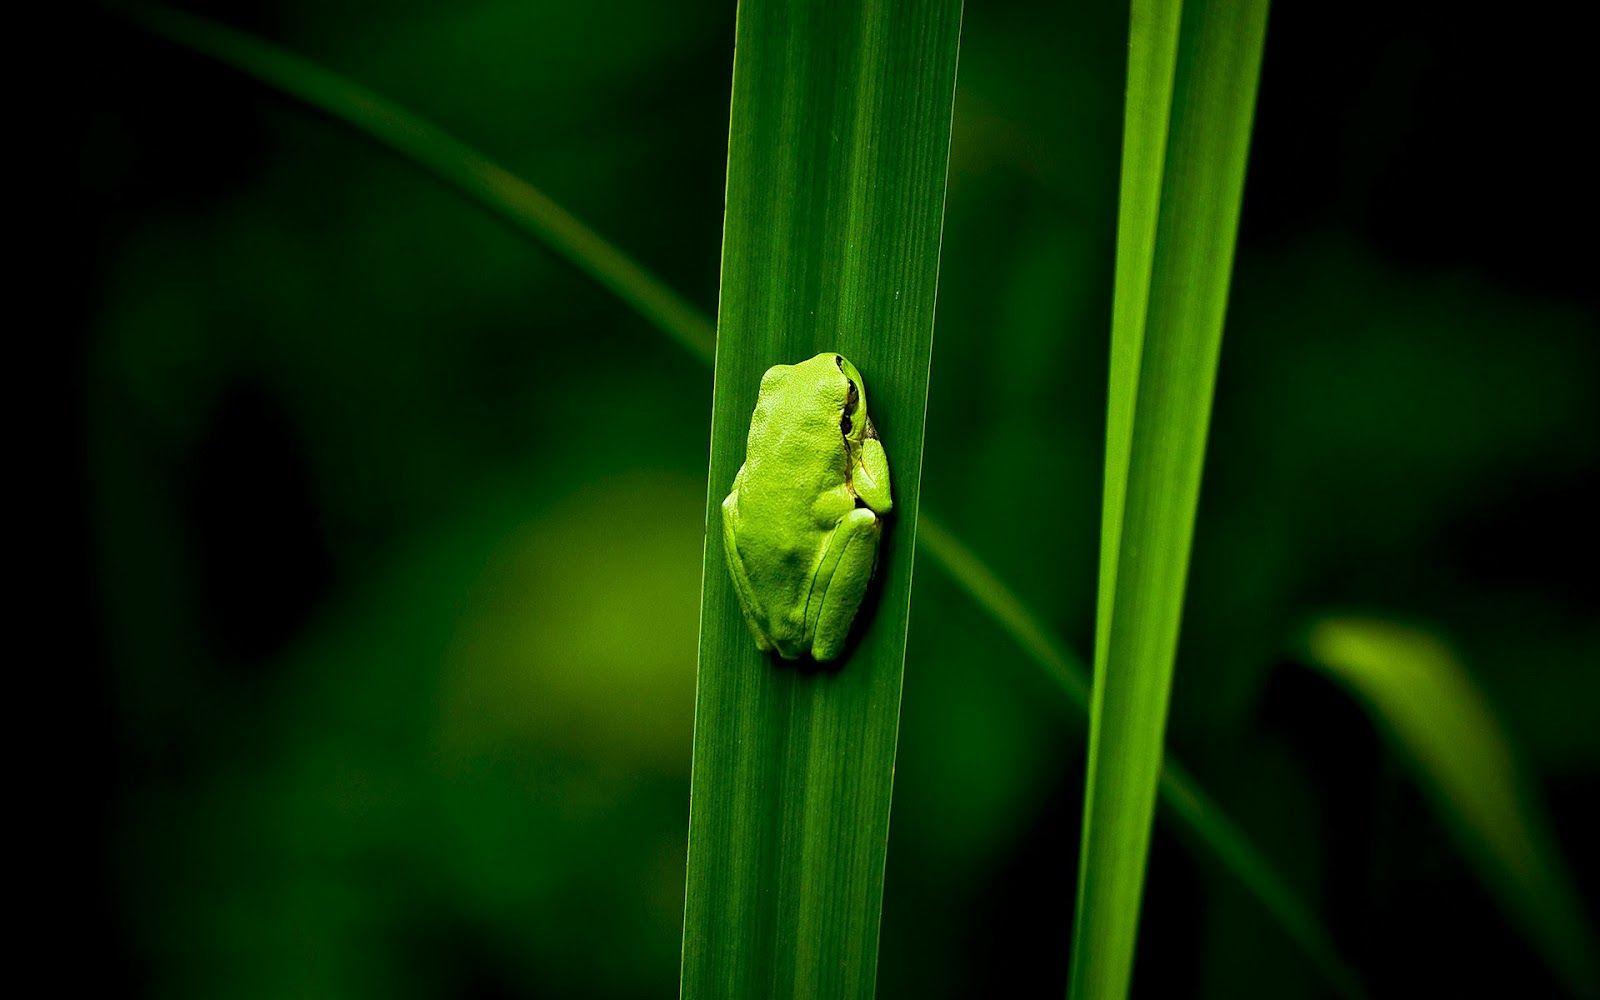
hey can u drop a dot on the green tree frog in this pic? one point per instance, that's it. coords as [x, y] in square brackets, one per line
[802, 524]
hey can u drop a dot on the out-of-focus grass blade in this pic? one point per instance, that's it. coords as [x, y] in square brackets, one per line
[452, 161]
[998, 601]
[522, 206]
[837, 154]
[1207, 829]
[1422, 697]
[1192, 72]
[1201, 819]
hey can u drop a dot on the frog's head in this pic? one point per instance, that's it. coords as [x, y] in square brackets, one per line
[830, 383]
[839, 386]
[824, 392]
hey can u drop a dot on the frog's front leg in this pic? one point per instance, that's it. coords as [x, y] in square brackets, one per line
[841, 581]
[871, 474]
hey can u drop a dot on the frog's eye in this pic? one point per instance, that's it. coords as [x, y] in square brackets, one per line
[852, 399]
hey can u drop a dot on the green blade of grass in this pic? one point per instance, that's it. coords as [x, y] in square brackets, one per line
[524, 207]
[1207, 829]
[1443, 726]
[838, 148]
[1192, 75]
[452, 161]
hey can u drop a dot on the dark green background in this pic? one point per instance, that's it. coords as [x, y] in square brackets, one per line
[392, 522]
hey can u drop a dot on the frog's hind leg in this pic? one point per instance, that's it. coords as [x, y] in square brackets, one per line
[741, 581]
[841, 582]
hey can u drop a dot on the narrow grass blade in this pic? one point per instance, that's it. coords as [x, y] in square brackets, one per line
[998, 601]
[1208, 830]
[1443, 726]
[371, 114]
[1200, 817]
[1192, 75]
[452, 161]
[839, 145]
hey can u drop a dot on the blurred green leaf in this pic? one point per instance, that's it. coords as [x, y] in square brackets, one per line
[440, 772]
[1192, 74]
[1423, 698]
[451, 160]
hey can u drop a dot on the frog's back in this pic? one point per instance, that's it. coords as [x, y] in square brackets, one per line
[791, 492]
[796, 455]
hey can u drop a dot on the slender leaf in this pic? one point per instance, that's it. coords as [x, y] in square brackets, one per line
[1443, 726]
[1203, 820]
[1192, 74]
[452, 161]
[1208, 829]
[1000, 603]
[522, 206]
[837, 156]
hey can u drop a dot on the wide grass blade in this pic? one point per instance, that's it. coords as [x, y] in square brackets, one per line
[838, 149]
[1443, 726]
[523, 207]
[1192, 75]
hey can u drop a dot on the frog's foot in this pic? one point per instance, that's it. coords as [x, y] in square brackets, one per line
[741, 581]
[841, 582]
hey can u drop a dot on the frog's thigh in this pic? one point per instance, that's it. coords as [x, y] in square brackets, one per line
[852, 550]
[741, 580]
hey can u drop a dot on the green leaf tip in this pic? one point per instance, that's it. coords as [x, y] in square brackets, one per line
[1441, 723]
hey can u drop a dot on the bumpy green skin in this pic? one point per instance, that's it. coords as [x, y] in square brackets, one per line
[802, 523]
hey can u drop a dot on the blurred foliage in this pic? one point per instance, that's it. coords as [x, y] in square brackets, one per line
[1427, 703]
[396, 522]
